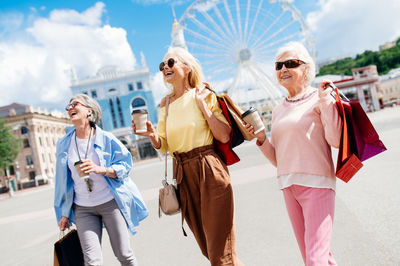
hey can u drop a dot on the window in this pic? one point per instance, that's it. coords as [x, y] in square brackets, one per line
[47, 141]
[113, 113]
[121, 118]
[40, 141]
[138, 102]
[29, 160]
[50, 159]
[43, 158]
[93, 93]
[130, 87]
[85, 92]
[26, 143]
[139, 85]
[32, 175]
[112, 90]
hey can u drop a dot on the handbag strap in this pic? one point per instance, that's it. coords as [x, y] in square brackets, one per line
[166, 142]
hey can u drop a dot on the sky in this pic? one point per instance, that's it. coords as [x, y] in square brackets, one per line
[40, 41]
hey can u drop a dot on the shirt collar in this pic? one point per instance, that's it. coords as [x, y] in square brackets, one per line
[99, 141]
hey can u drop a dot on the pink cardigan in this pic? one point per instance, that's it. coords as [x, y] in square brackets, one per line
[301, 135]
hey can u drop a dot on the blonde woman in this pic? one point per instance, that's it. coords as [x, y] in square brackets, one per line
[194, 120]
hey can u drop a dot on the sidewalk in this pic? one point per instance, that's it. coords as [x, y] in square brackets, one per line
[25, 191]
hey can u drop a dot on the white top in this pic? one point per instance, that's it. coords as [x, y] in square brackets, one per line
[101, 192]
[306, 180]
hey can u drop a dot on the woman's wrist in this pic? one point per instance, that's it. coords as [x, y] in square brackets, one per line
[260, 140]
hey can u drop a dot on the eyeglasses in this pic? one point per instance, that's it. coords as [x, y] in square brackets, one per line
[72, 105]
[292, 63]
[170, 64]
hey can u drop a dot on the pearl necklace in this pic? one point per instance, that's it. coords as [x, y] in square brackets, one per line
[305, 96]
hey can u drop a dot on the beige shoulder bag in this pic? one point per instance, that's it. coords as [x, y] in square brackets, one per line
[168, 201]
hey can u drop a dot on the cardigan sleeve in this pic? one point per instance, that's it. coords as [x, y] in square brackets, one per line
[331, 120]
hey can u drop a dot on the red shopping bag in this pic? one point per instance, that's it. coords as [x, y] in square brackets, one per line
[348, 163]
[367, 139]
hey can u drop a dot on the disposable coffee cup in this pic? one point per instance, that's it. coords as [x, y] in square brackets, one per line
[79, 170]
[139, 117]
[252, 117]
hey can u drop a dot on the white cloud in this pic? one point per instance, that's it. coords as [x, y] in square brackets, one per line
[156, 2]
[158, 87]
[35, 71]
[345, 28]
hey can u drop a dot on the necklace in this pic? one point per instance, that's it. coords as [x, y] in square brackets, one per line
[87, 146]
[89, 182]
[305, 96]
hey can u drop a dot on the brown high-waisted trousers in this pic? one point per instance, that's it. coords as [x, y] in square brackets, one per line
[206, 197]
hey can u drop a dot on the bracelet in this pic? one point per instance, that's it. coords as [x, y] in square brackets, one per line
[107, 171]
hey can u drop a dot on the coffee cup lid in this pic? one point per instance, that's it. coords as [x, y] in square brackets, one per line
[139, 111]
[251, 110]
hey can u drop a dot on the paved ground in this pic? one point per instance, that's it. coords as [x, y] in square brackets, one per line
[366, 228]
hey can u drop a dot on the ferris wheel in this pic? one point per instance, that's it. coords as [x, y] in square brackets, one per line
[236, 43]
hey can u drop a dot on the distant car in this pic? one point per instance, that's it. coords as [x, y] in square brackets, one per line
[392, 103]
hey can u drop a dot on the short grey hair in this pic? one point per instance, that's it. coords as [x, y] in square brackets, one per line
[92, 104]
[301, 51]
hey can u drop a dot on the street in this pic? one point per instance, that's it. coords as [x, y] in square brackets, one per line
[366, 226]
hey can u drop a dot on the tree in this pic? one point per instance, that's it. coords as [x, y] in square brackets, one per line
[9, 146]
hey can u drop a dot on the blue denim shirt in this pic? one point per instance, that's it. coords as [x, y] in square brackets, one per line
[112, 153]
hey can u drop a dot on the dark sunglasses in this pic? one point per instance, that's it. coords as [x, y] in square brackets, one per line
[292, 63]
[170, 64]
[72, 105]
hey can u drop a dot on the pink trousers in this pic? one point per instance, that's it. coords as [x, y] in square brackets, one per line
[311, 213]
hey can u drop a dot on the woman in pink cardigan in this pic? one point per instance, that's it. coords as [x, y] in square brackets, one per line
[304, 127]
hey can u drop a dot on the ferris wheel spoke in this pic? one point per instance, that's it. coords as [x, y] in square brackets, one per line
[216, 61]
[207, 39]
[204, 47]
[277, 42]
[228, 12]
[222, 20]
[246, 23]
[274, 34]
[215, 25]
[254, 21]
[207, 30]
[239, 22]
[267, 29]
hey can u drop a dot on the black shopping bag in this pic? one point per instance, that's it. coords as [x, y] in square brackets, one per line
[68, 250]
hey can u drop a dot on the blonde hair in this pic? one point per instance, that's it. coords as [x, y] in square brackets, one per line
[92, 104]
[301, 51]
[195, 77]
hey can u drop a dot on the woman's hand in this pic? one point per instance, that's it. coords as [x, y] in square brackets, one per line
[151, 133]
[150, 130]
[200, 97]
[87, 166]
[63, 224]
[261, 136]
[324, 88]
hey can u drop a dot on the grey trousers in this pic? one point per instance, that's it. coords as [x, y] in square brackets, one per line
[89, 224]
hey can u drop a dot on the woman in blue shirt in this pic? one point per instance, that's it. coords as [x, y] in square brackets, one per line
[93, 186]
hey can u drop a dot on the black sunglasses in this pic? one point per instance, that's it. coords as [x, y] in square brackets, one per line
[170, 64]
[292, 63]
[72, 105]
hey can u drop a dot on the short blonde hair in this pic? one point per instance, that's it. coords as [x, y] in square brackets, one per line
[92, 104]
[195, 77]
[301, 51]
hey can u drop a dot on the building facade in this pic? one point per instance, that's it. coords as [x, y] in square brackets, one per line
[363, 86]
[39, 131]
[119, 93]
[390, 87]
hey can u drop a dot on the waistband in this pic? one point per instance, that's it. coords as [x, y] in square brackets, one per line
[181, 157]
